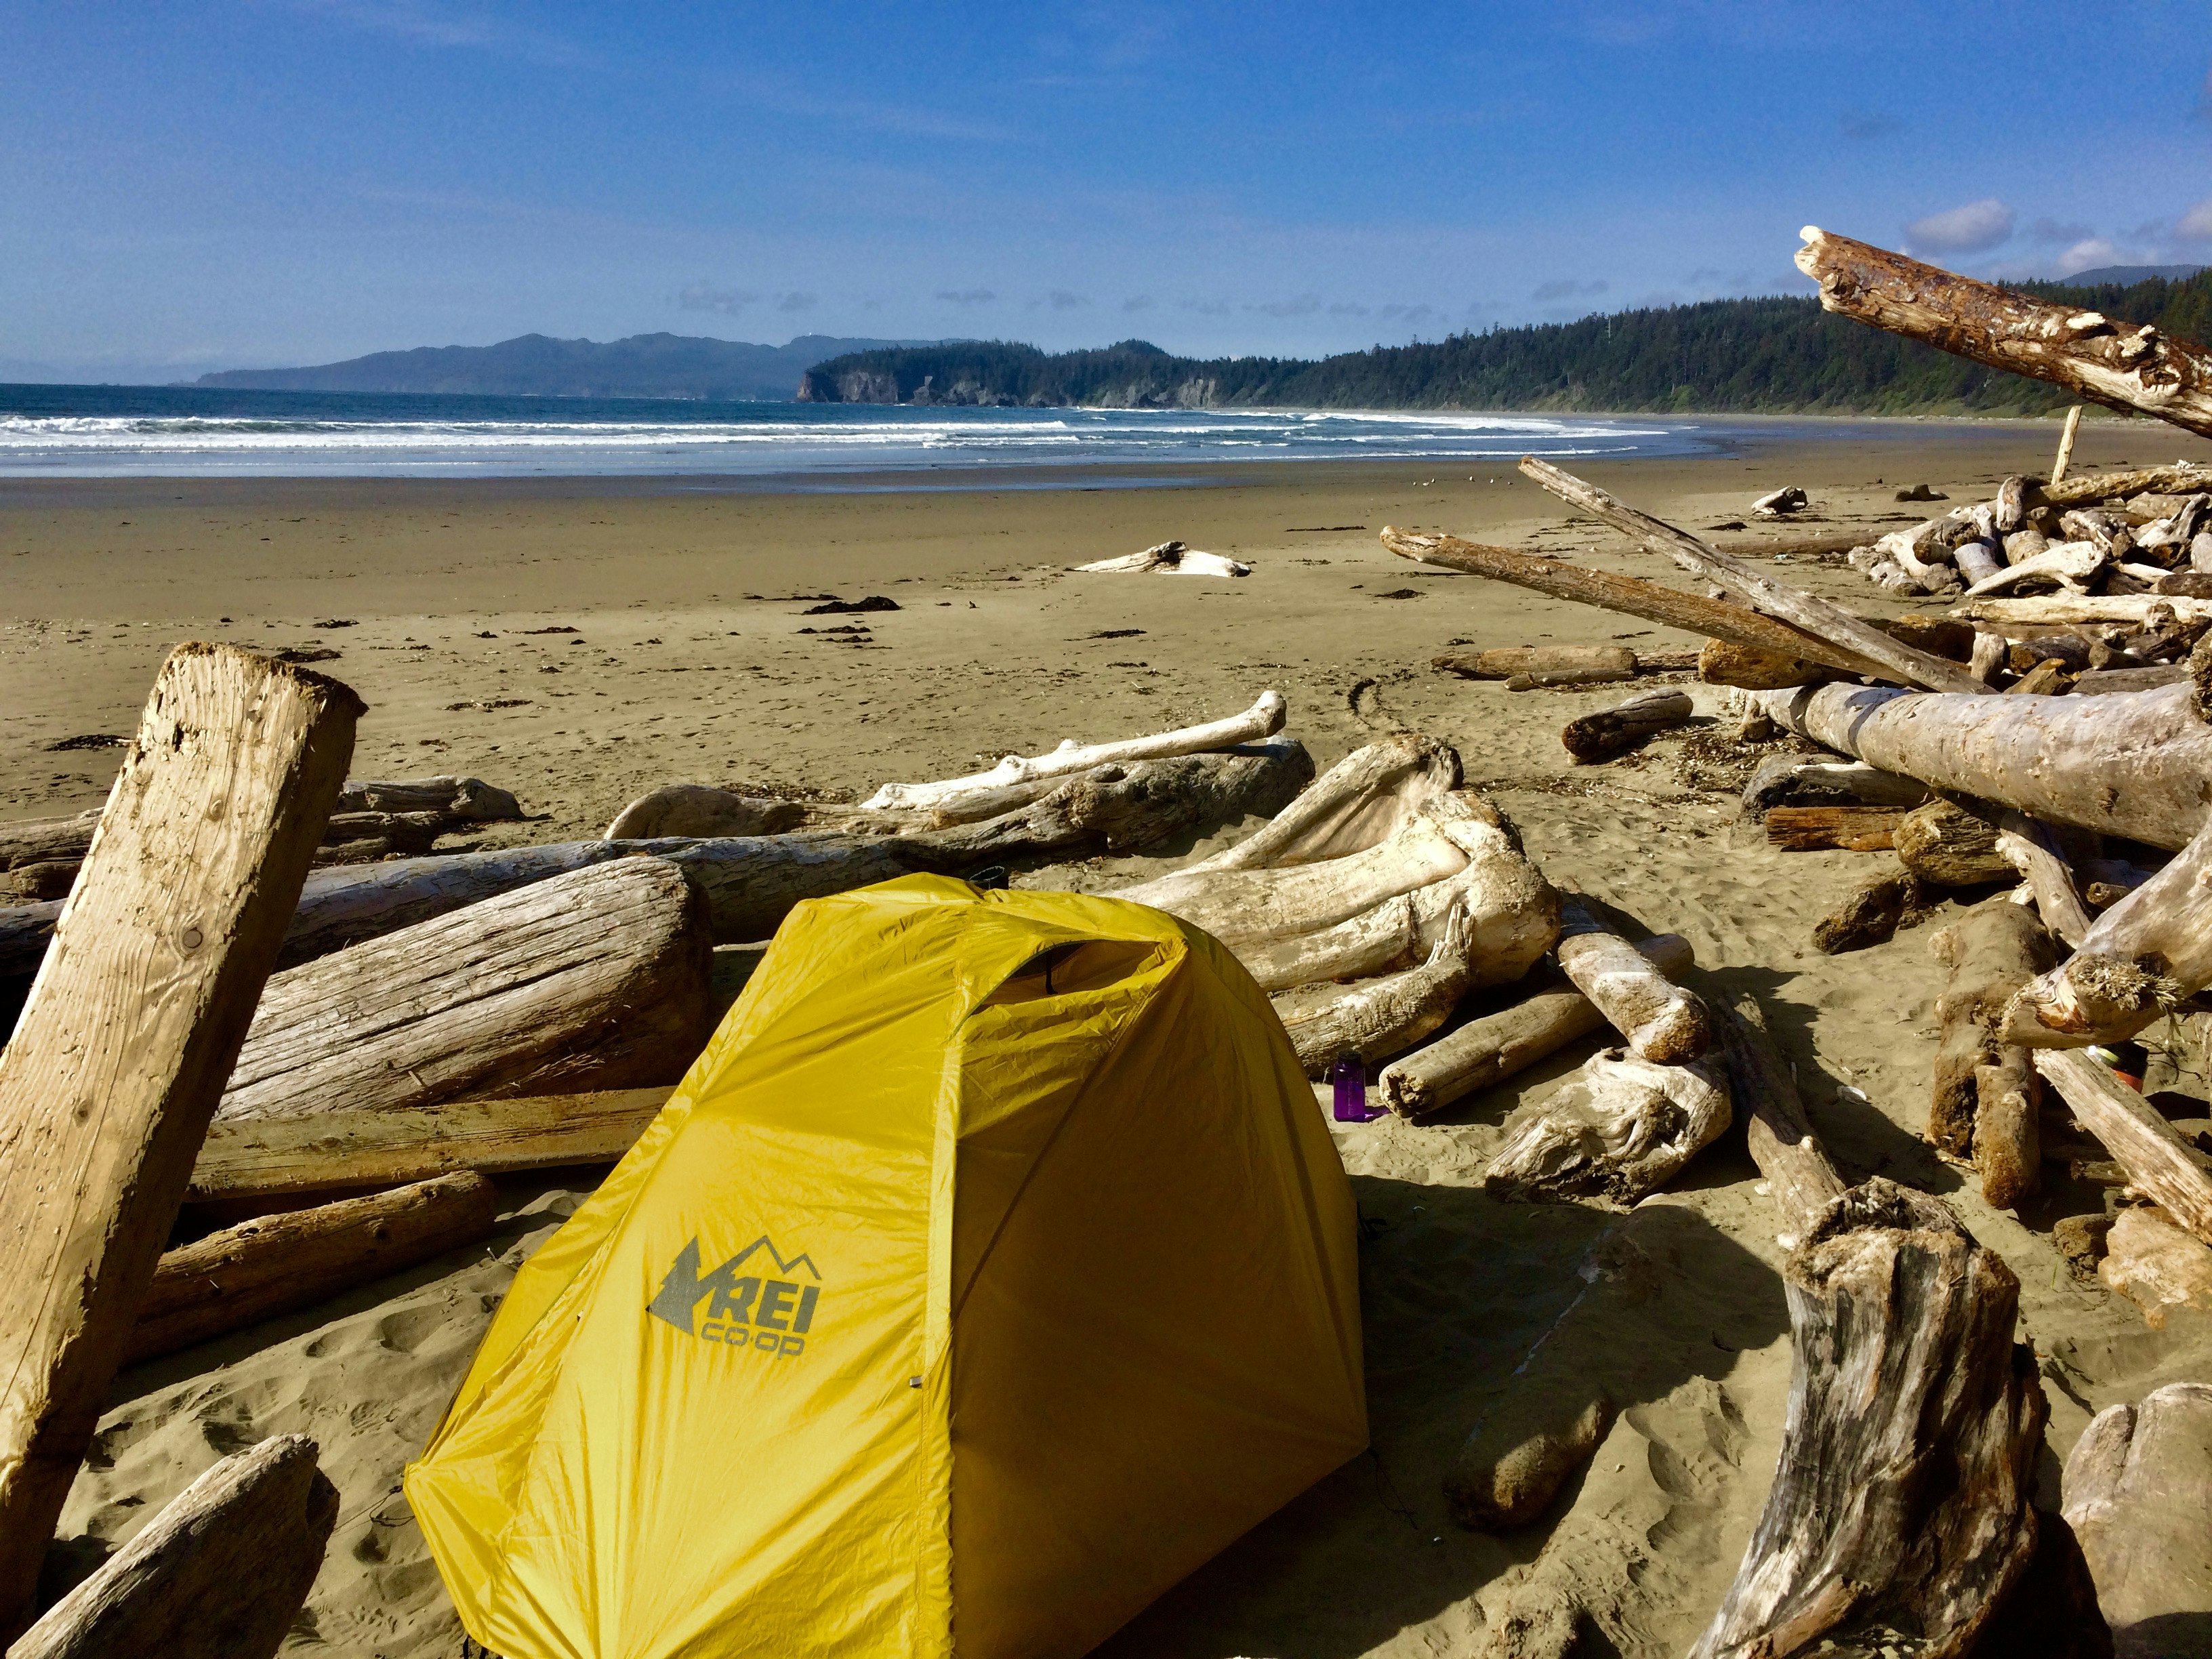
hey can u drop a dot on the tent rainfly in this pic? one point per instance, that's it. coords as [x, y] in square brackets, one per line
[992, 1269]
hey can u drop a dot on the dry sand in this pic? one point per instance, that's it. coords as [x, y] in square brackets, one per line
[691, 667]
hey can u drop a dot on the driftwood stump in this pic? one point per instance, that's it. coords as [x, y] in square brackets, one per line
[1609, 731]
[1908, 1455]
[1621, 1129]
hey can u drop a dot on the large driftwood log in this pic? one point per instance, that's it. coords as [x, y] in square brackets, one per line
[1801, 611]
[1263, 719]
[1486, 1052]
[47, 841]
[1664, 1023]
[2129, 965]
[220, 1573]
[1621, 1129]
[750, 883]
[2157, 1159]
[599, 979]
[132, 1026]
[1990, 952]
[1377, 1017]
[1586, 663]
[693, 809]
[2130, 765]
[1902, 1500]
[1780, 1135]
[1631, 595]
[364, 1146]
[2137, 1487]
[1721, 663]
[1600, 735]
[280, 1263]
[2117, 364]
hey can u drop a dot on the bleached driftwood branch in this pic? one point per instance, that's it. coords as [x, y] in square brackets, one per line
[1170, 559]
[1264, 719]
[1620, 1128]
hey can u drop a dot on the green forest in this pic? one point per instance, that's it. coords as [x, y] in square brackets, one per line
[1761, 355]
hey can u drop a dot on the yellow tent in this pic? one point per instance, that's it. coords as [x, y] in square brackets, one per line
[991, 1270]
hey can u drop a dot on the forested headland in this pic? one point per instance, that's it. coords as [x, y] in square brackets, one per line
[1772, 355]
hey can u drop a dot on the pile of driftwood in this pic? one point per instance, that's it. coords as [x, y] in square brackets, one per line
[2042, 762]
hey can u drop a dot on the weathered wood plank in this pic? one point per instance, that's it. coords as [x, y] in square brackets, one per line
[132, 1026]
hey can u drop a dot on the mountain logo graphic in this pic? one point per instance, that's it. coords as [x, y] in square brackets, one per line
[750, 1310]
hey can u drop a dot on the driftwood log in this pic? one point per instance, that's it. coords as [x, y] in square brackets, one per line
[364, 1146]
[1725, 663]
[220, 1573]
[2137, 1487]
[1375, 1019]
[1621, 1129]
[1844, 828]
[1586, 663]
[132, 1024]
[2084, 610]
[750, 883]
[1990, 952]
[2158, 1161]
[278, 1264]
[1801, 611]
[1263, 719]
[1902, 1500]
[597, 979]
[2129, 765]
[2008, 1128]
[2131, 964]
[1804, 780]
[1663, 1023]
[1630, 595]
[1486, 1052]
[1607, 732]
[693, 809]
[2119, 365]
[467, 799]
[1361, 801]
[1780, 1136]
[1946, 846]
[2031, 848]
[1496, 901]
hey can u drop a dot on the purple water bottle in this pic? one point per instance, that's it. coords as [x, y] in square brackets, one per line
[1350, 1077]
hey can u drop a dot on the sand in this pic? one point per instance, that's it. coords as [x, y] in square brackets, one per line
[691, 667]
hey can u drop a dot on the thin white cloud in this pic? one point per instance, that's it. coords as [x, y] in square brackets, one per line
[966, 296]
[1974, 228]
[2088, 255]
[2196, 225]
[705, 296]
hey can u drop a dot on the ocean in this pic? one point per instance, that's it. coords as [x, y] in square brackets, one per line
[56, 431]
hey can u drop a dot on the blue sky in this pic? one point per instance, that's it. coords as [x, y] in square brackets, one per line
[287, 181]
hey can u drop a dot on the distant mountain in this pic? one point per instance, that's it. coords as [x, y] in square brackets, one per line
[2127, 276]
[536, 365]
[1778, 355]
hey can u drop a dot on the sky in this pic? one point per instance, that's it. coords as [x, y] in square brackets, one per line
[279, 182]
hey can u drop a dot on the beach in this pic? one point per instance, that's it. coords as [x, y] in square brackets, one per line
[580, 640]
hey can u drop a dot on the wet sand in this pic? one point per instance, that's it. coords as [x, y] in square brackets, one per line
[691, 667]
